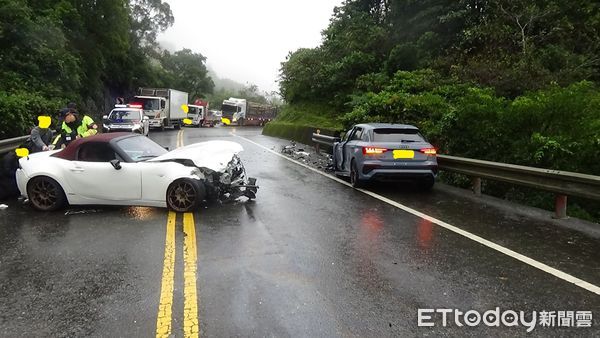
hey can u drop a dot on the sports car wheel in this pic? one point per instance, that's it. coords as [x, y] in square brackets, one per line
[45, 194]
[185, 195]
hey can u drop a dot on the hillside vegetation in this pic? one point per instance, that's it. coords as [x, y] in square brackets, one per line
[512, 81]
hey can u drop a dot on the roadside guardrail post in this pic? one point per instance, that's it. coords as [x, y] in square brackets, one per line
[317, 145]
[560, 207]
[476, 182]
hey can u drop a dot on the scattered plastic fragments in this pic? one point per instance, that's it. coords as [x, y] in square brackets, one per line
[302, 153]
[75, 212]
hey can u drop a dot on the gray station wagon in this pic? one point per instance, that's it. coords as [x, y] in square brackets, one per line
[385, 152]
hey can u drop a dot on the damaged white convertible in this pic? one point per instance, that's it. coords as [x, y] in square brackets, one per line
[129, 169]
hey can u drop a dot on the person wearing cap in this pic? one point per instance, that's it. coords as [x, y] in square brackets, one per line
[71, 106]
[74, 127]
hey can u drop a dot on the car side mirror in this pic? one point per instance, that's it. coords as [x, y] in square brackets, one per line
[116, 164]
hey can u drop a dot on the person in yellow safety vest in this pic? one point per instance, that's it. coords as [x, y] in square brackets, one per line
[74, 127]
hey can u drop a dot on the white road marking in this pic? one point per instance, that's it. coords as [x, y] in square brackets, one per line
[529, 261]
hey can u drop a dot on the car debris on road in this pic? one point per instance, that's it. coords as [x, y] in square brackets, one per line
[305, 154]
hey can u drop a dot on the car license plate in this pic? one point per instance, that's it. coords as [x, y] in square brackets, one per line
[401, 153]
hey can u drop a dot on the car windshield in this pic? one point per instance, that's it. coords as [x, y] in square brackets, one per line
[124, 115]
[229, 108]
[140, 148]
[397, 135]
[192, 111]
[148, 104]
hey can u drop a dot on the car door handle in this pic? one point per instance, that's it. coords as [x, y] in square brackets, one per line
[77, 169]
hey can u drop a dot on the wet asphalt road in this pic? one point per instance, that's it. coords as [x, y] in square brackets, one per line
[310, 257]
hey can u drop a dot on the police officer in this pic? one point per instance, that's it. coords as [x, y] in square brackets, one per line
[74, 127]
[71, 106]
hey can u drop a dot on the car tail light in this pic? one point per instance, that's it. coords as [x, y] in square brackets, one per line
[373, 150]
[429, 151]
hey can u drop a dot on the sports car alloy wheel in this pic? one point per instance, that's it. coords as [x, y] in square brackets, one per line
[45, 194]
[184, 195]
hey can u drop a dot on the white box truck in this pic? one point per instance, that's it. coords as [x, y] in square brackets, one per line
[163, 106]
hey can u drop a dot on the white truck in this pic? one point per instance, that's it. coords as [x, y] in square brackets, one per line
[245, 113]
[163, 106]
[234, 111]
[200, 116]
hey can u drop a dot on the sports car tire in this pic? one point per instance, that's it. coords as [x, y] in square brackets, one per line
[185, 195]
[45, 194]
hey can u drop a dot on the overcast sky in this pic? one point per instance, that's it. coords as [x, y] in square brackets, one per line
[247, 40]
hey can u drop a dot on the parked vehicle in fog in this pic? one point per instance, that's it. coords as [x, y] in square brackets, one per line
[126, 118]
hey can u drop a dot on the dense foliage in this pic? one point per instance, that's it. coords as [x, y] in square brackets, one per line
[85, 51]
[505, 80]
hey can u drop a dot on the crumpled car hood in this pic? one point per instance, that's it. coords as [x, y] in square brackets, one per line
[214, 155]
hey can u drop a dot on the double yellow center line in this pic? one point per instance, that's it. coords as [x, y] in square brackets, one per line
[190, 307]
[164, 319]
[180, 138]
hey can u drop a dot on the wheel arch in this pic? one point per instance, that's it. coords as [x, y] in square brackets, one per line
[200, 189]
[60, 185]
[63, 185]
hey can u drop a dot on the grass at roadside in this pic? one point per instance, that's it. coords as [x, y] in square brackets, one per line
[298, 122]
[309, 115]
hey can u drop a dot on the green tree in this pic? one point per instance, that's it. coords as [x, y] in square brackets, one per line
[187, 71]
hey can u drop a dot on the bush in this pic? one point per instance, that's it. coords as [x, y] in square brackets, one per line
[19, 112]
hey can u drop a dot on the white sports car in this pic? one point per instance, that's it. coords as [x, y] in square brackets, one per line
[130, 169]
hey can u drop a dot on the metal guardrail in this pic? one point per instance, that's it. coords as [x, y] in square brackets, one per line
[562, 183]
[325, 140]
[11, 144]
